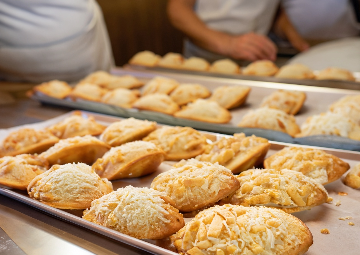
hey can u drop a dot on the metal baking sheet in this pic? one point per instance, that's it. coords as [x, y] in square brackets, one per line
[259, 90]
[323, 216]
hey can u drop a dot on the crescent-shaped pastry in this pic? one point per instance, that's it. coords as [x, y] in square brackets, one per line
[55, 88]
[348, 106]
[88, 91]
[145, 58]
[100, 78]
[295, 71]
[195, 64]
[158, 103]
[120, 97]
[333, 73]
[261, 68]
[160, 85]
[285, 100]
[171, 60]
[225, 66]
[230, 96]
[188, 92]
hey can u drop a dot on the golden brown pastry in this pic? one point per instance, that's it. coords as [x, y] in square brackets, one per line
[195, 64]
[230, 96]
[196, 184]
[76, 125]
[178, 142]
[261, 68]
[138, 212]
[284, 189]
[55, 88]
[270, 119]
[27, 140]
[188, 92]
[352, 179]
[124, 81]
[285, 100]
[127, 130]
[85, 149]
[171, 60]
[316, 164]
[158, 103]
[204, 110]
[17, 172]
[225, 66]
[100, 78]
[129, 160]
[330, 123]
[348, 106]
[69, 186]
[159, 85]
[233, 229]
[333, 73]
[295, 71]
[145, 58]
[88, 91]
[120, 97]
[237, 153]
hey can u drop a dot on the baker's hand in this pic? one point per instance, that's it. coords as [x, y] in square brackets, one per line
[251, 47]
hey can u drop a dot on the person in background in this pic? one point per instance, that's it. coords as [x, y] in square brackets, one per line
[42, 40]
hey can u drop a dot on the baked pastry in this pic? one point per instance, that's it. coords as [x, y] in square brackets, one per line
[120, 97]
[188, 92]
[230, 96]
[127, 130]
[196, 184]
[69, 186]
[295, 71]
[317, 164]
[124, 81]
[261, 68]
[225, 66]
[88, 91]
[100, 78]
[284, 189]
[195, 64]
[129, 160]
[348, 106]
[178, 142]
[55, 88]
[85, 149]
[158, 103]
[237, 153]
[27, 140]
[17, 172]
[233, 229]
[333, 73]
[145, 58]
[204, 110]
[159, 85]
[330, 123]
[76, 125]
[352, 179]
[171, 60]
[138, 212]
[270, 119]
[285, 100]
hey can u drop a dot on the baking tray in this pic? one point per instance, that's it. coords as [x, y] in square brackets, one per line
[323, 216]
[259, 90]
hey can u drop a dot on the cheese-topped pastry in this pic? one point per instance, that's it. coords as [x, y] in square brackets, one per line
[171, 60]
[129, 160]
[295, 71]
[88, 91]
[120, 97]
[204, 110]
[127, 130]
[285, 100]
[160, 85]
[100, 78]
[196, 184]
[27, 140]
[348, 106]
[225, 66]
[330, 123]
[317, 164]
[352, 179]
[145, 58]
[270, 119]
[17, 172]
[138, 212]
[178, 142]
[158, 103]
[285, 189]
[230, 96]
[333, 73]
[237, 153]
[261, 68]
[188, 92]
[55, 88]
[233, 229]
[85, 149]
[195, 64]
[76, 125]
[69, 186]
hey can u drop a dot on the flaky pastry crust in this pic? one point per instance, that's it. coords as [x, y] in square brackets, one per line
[261, 68]
[145, 58]
[55, 88]
[333, 73]
[171, 60]
[195, 64]
[88, 91]
[120, 97]
[188, 92]
[158, 103]
[295, 71]
[285, 100]
[160, 85]
[230, 96]
[225, 66]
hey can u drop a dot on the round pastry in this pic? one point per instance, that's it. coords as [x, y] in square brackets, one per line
[196, 184]
[88, 91]
[195, 64]
[287, 101]
[158, 103]
[171, 60]
[230, 96]
[188, 92]
[333, 73]
[352, 179]
[120, 97]
[138, 212]
[145, 58]
[225, 66]
[261, 68]
[55, 88]
[69, 186]
[295, 71]
[160, 85]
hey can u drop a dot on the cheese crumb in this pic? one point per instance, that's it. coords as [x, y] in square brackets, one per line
[342, 218]
[351, 223]
[325, 231]
[338, 203]
[340, 193]
[348, 217]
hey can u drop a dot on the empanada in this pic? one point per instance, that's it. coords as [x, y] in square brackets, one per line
[120, 97]
[295, 71]
[145, 58]
[55, 88]
[225, 66]
[88, 91]
[195, 64]
[285, 100]
[159, 84]
[230, 96]
[171, 60]
[158, 103]
[188, 92]
[100, 78]
[261, 68]
[333, 73]
[124, 81]
[348, 106]
[352, 179]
